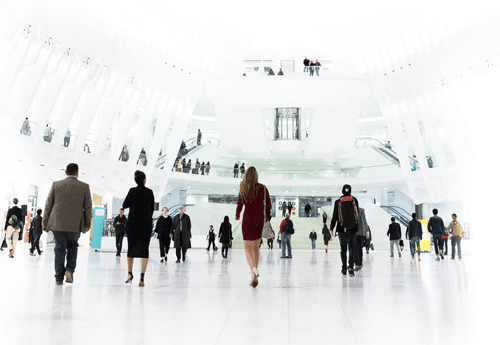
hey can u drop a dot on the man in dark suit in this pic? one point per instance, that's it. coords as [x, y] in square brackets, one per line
[119, 224]
[68, 212]
[181, 227]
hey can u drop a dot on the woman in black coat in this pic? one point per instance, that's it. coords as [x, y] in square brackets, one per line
[141, 202]
[225, 235]
[162, 232]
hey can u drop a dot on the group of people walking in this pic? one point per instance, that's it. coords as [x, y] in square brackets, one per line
[311, 65]
[186, 167]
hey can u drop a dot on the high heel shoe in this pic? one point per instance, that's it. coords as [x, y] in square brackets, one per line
[129, 280]
[141, 282]
[255, 271]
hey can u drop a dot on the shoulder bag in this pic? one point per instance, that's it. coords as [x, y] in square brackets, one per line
[267, 230]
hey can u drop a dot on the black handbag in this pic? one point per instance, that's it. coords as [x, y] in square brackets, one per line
[4, 244]
[401, 244]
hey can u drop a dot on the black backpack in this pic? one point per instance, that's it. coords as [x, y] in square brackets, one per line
[348, 212]
[289, 227]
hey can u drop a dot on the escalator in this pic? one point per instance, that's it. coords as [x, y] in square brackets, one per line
[402, 216]
[191, 146]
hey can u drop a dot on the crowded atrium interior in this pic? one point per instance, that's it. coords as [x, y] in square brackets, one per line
[394, 99]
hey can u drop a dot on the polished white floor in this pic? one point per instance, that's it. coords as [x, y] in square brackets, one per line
[207, 300]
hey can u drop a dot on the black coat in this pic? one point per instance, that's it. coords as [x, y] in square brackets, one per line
[120, 228]
[163, 226]
[186, 231]
[313, 236]
[414, 229]
[225, 233]
[394, 231]
[19, 214]
[141, 202]
[35, 228]
[326, 233]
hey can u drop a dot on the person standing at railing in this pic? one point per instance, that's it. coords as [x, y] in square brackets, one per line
[198, 138]
[306, 64]
[317, 65]
[183, 164]
[207, 168]
[202, 168]
[236, 170]
[25, 128]
[196, 169]
[188, 167]
[67, 138]
[311, 68]
[242, 169]
[47, 134]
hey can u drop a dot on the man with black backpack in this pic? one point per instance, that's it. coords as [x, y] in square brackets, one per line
[286, 231]
[345, 216]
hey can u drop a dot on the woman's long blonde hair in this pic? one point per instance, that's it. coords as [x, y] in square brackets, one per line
[249, 185]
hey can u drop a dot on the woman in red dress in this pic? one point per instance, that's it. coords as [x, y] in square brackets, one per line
[252, 197]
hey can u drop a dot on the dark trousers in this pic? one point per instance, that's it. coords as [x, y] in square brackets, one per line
[438, 242]
[164, 245]
[119, 242]
[445, 245]
[347, 241]
[65, 250]
[178, 253]
[270, 242]
[211, 242]
[66, 141]
[35, 244]
[359, 250]
[225, 248]
[456, 241]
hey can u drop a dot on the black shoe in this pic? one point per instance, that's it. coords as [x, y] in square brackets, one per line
[40, 253]
[344, 272]
[282, 257]
[288, 257]
[59, 282]
[446, 253]
[178, 260]
[453, 258]
[117, 254]
[161, 260]
[208, 249]
[183, 259]
[442, 257]
[351, 272]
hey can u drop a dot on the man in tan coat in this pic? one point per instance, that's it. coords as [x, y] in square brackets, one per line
[68, 211]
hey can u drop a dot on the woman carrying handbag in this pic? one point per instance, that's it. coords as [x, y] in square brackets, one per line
[255, 198]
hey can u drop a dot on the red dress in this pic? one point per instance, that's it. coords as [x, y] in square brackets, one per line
[253, 217]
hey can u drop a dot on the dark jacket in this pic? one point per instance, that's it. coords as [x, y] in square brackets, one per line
[326, 233]
[163, 226]
[225, 231]
[436, 225]
[394, 231]
[35, 227]
[120, 228]
[307, 208]
[306, 62]
[141, 202]
[414, 229]
[182, 239]
[211, 235]
[346, 191]
[242, 168]
[313, 236]
[19, 214]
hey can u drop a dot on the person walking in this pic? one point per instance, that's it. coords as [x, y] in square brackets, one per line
[198, 138]
[141, 202]
[368, 239]
[307, 208]
[289, 208]
[143, 159]
[311, 68]
[325, 217]
[414, 234]
[120, 223]
[326, 236]
[394, 234]
[68, 212]
[242, 169]
[211, 238]
[162, 233]
[313, 236]
[36, 233]
[436, 227]
[236, 170]
[360, 239]
[14, 223]
[345, 218]
[67, 138]
[306, 64]
[202, 168]
[181, 232]
[286, 230]
[270, 241]
[456, 232]
[254, 196]
[225, 236]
